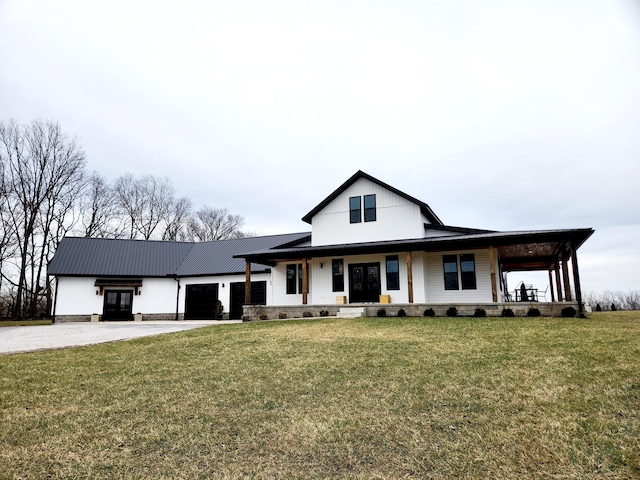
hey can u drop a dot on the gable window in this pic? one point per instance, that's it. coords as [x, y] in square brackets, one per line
[393, 273]
[355, 208]
[450, 264]
[370, 208]
[337, 274]
[468, 271]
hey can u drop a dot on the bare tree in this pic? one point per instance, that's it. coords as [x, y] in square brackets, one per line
[44, 169]
[100, 216]
[214, 224]
[176, 220]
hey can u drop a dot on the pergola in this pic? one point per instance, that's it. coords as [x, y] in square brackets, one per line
[550, 250]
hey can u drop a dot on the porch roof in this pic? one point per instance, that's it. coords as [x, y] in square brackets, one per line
[520, 250]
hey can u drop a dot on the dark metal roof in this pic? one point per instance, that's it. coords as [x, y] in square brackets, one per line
[81, 256]
[443, 243]
[426, 210]
[216, 258]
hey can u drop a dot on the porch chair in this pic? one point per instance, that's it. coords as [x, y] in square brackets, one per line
[542, 294]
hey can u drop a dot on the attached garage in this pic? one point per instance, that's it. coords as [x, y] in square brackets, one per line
[200, 301]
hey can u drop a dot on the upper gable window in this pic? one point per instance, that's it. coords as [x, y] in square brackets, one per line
[355, 209]
[370, 208]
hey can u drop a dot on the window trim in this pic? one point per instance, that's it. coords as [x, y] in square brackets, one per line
[291, 282]
[391, 275]
[355, 211]
[451, 275]
[468, 277]
[337, 279]
[369, 211]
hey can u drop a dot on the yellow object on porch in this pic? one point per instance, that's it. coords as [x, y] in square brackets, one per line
[385, 298]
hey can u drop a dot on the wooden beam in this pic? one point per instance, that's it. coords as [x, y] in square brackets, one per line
[492, 270]
[247, 284]
[565, 277]
[556, 267]
[576, 278]
[553, 296]
[409, 276]
[305, 281]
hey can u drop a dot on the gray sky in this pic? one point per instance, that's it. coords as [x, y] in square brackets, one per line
[504, 115]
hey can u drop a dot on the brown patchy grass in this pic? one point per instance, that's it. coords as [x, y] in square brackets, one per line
[368, 398]
[24, 323]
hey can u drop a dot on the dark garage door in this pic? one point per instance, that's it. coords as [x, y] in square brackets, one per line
[200, 301]
[258, 297]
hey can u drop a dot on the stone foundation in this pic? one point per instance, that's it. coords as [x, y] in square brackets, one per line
[520, 309]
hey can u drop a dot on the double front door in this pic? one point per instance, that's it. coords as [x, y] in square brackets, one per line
[364, 283]
[117, 305]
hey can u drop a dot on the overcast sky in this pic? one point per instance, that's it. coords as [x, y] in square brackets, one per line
[505, 115]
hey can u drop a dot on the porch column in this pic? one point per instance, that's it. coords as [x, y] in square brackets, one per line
[492, 269]
[556, 268]
[553, 296]
[247, 283]
[576, 278]
[305, 281]
[409, 276]
[565, 277]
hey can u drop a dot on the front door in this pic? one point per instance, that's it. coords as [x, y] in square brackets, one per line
[364, 283]
[117, 305]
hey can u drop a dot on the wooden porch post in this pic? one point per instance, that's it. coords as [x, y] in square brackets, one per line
[492, 269]
[556, 268]
[565, 277]
[409, 276]
[247, 283]
[305, 281]
[553, 296]
[576, 278]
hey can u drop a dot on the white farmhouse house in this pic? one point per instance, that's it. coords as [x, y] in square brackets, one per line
[371, 245]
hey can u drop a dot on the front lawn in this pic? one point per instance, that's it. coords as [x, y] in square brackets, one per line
[365, 398]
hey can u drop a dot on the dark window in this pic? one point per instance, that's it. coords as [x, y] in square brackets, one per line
[337, 271]
[369, 208]
[468, 271]
[393, 273]
[354, 210]
[450, 263]
[299, 278]
[291, 278]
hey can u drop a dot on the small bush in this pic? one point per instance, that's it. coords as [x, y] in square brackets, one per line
[324, 313]
[568, 312]
[245, 318]
[613, 307]
[452, 312]
[307, 314]
[598, 307]
[402, 313]
[429, 312]
[263, 316]
[479, 312]
[533, 312]
[382, 312]
[282, 315]
[507, 312]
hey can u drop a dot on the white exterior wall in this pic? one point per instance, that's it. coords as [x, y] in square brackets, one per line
[396, 218]
[77, 296]
[435, 292]
[278, 286]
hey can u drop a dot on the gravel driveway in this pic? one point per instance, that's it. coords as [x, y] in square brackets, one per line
[60, 335]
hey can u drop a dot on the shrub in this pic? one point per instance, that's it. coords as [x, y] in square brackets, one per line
[598, 307]
[307, 314]
[507, 312]
[613, 307]
[245, 318]
[382, 312]
[429, 312]
[282, 315]
[324, 313]
[263, 316]
[452, 312]
[479, 312]
[533, 312]
[402, 313]
[568, 312]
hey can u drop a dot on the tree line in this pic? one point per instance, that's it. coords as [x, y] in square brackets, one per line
[46, 193]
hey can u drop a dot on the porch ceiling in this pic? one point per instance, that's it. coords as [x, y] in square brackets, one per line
[529, 256]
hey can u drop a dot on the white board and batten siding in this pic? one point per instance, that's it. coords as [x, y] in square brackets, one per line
[278, 286]
[396, 218]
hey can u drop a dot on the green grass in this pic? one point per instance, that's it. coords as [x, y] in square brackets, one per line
[23, 323]
[367, 398]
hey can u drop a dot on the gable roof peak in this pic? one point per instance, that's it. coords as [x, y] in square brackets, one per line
[426, 210]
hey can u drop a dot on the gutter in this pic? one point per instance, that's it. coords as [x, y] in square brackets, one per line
[55, 301]
[177, 296]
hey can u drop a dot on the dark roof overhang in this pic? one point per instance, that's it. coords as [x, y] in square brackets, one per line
[530, 250]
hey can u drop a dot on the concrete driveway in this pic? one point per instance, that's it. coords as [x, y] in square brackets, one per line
[61, 335]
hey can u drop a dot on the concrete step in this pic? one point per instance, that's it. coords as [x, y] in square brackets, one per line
[351, 312]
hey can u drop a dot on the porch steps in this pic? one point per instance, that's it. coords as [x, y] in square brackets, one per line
[352, 312]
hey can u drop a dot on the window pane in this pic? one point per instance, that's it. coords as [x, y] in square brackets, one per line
[468, 271]
[369, 208]
[291, 278]
[354, 210]
[337, 271]
[300, 278]
[393, 273]
[450, 264]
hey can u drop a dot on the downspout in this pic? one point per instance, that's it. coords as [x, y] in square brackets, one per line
[55, 302]
[177, 296]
